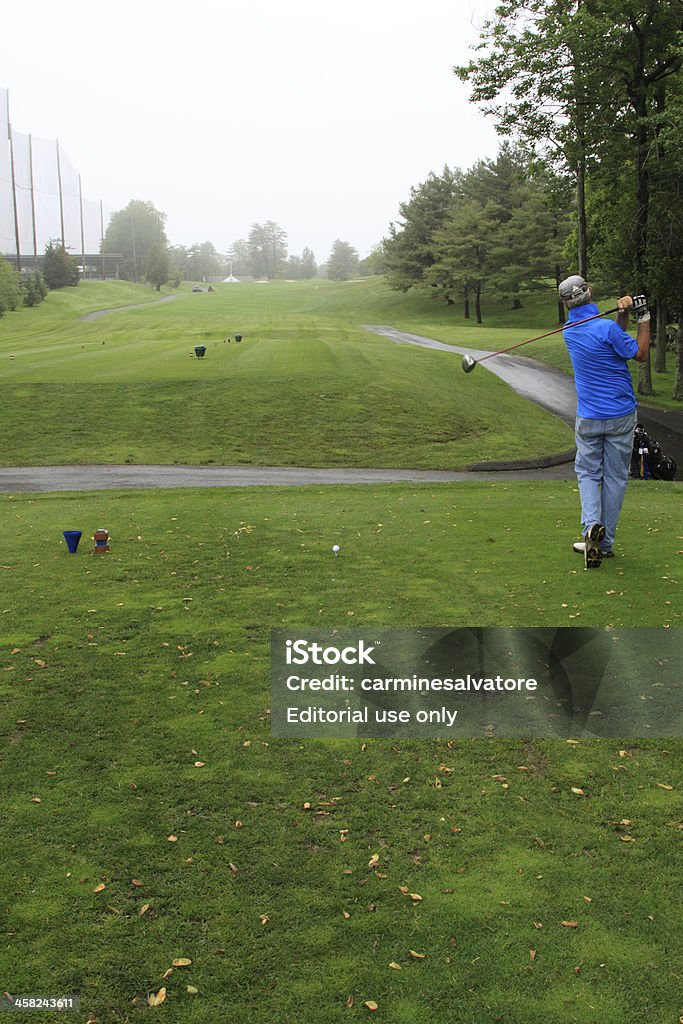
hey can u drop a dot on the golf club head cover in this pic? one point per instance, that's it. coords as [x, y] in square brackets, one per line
[640, 310]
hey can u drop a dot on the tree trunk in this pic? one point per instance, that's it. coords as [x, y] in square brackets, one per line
[477, 303]
[561, 316]
[645, 377]
[678, 378]
[466, 297]
[581, 228]
[660, 335]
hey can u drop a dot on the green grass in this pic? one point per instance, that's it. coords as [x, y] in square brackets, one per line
[134, 687]
[305, 387]
[119, 672]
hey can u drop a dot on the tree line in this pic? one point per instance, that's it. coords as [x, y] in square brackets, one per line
[497, 230]
[589, 95]
[138, 234]
[59, 269]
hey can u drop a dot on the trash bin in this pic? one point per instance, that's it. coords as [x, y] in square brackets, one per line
[200, 351]
[238, 338]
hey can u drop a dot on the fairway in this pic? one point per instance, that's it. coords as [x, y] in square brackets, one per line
[307, 385]
[162, 851]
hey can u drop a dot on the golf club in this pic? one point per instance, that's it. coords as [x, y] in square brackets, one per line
[468, 362]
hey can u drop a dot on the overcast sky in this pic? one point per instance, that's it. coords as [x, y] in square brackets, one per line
[317, 115]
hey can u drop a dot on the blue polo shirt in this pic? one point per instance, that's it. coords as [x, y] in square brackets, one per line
[599, 352]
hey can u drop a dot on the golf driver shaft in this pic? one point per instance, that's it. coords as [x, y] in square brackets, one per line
[557, 330]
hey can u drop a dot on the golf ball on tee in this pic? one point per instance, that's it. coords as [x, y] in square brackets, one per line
[335, 548]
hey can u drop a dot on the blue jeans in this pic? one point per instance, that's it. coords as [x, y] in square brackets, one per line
[603, 455]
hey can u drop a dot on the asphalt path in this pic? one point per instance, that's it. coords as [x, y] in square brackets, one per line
[99, 313]
[549, 388]
[97, 478]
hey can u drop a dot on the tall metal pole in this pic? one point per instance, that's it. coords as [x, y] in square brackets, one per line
[104, 262]
[14, 187]
[61, 198]
[33, 204]
[132, 235]
[80, 202]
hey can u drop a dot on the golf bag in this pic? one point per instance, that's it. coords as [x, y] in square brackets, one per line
[648, 461]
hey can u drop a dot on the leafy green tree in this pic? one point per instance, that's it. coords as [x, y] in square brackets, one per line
[589, 84]
[409, 248]
[132, 232]
[292, 269]
[502, 235]
[203, 262]
[529, 75]
[34, 288]
[267, 249]
[10, 288]
[158, 269]
[374, 264]
[343, 261]
[309, 268]
[60, 270]
[463, 250]
[238, 257]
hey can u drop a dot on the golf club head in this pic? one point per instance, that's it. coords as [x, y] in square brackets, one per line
[468, 364]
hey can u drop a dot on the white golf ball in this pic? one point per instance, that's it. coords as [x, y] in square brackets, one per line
[335, 548]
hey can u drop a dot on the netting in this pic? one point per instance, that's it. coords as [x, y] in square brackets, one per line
[41, 197]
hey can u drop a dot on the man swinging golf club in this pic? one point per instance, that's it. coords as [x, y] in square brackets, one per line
[606, 409]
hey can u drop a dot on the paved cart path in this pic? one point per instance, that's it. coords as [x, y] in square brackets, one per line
[96, 478]
[99, 313]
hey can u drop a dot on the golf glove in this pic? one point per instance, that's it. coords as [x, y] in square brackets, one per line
[640, 310]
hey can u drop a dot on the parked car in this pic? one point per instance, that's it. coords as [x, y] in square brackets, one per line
[197, 288]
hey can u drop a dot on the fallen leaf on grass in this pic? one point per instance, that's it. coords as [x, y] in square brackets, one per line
[36, 800]
[627, 839]
[373, 860]
[191, 990]
[415, 897]
[417, 956]
[100, 887]
[394, 966]
[173, 839]
[181, 961]
[157, 1000]
[136, 882]
[577, 791]
[532, 954]
[349, 1002]
[570, 924]
[264, 918]
[371, 1004]
[232, 868]
[143, 910]
[663, 785]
